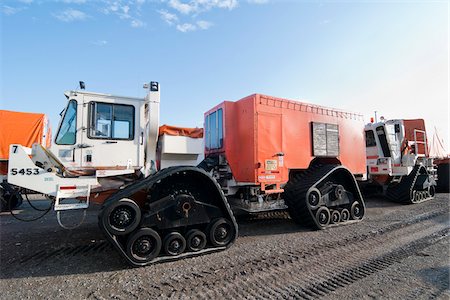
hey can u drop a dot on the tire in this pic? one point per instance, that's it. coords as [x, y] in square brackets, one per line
[195, 240]
[220, 232]
[144, 245]
[345, 215]
[356, 211]
[335, 217]
[174, 244]
[323, 216]
[313, 198]
[121, 217]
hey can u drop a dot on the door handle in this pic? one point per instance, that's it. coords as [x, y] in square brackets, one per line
[80, 146]
[111, 142]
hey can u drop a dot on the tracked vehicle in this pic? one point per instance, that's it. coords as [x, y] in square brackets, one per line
[398, 161]
[272, 154]
[108, 150]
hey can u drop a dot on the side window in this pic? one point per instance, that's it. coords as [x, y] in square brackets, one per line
[214, 130]
[219, 128]
[370, 139]
[111, 121]
[67, 132]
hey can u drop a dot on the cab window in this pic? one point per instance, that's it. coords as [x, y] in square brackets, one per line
[370, 139]
[111, 121]
[67, 131]
[214, 130]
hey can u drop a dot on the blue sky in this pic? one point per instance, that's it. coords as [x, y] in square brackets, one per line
[389, 56]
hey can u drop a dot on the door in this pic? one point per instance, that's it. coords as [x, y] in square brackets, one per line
[111, 136]
[269, 148]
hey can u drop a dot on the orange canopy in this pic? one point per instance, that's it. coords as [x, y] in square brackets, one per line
[24, 129]
[183, 131]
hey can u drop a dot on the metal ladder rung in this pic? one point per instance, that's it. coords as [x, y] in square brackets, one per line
[72, 192]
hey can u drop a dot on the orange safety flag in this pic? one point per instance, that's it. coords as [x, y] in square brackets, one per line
[183, 131]
[24, 129]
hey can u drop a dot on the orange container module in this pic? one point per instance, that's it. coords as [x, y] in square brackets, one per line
[24, 129]
[259, 144]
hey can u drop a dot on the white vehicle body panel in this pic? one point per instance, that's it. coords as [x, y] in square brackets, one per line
[180, 150]
[39, 179]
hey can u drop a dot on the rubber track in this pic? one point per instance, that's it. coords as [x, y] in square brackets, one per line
[297, 188]
[150, 182]
[402, 192]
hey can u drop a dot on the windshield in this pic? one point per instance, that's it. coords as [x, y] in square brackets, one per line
[67, 131]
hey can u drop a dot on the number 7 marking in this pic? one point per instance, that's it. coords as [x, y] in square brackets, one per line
[15, 149]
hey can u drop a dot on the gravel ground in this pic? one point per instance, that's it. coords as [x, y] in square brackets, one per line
[396, 252]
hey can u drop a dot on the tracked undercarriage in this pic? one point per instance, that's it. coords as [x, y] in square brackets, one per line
[417, 187]
[324, 196]
[178, 212]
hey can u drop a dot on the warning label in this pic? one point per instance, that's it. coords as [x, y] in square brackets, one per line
[271, 164]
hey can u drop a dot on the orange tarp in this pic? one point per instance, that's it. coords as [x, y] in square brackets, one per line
[173, 130]
[22, 128]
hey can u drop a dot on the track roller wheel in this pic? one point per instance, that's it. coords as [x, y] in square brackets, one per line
[174, 244]
[122, 217]
[431, 191]
[314, 198]
[323, 216]
[345, 215]
[195, 240]
[220, 232]
[144, 245]
[415, 197]
[356, 211]
[335, 217]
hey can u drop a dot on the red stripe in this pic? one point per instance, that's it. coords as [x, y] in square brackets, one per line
[372, 157]
[72, 187]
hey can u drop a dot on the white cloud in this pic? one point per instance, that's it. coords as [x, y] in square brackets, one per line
[196, 6]
[8, 10]
[183, 8]
[168, 17]
[137, 23]
[325, 22]
[70, 15]
[100, 43]
[258, 1]
[204, 24]
[74, 1]
[186, 27]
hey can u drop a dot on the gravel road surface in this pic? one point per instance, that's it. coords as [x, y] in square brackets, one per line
[396, 252]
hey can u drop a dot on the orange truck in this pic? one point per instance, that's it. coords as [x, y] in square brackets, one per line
[270, 153]
[18, 128]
